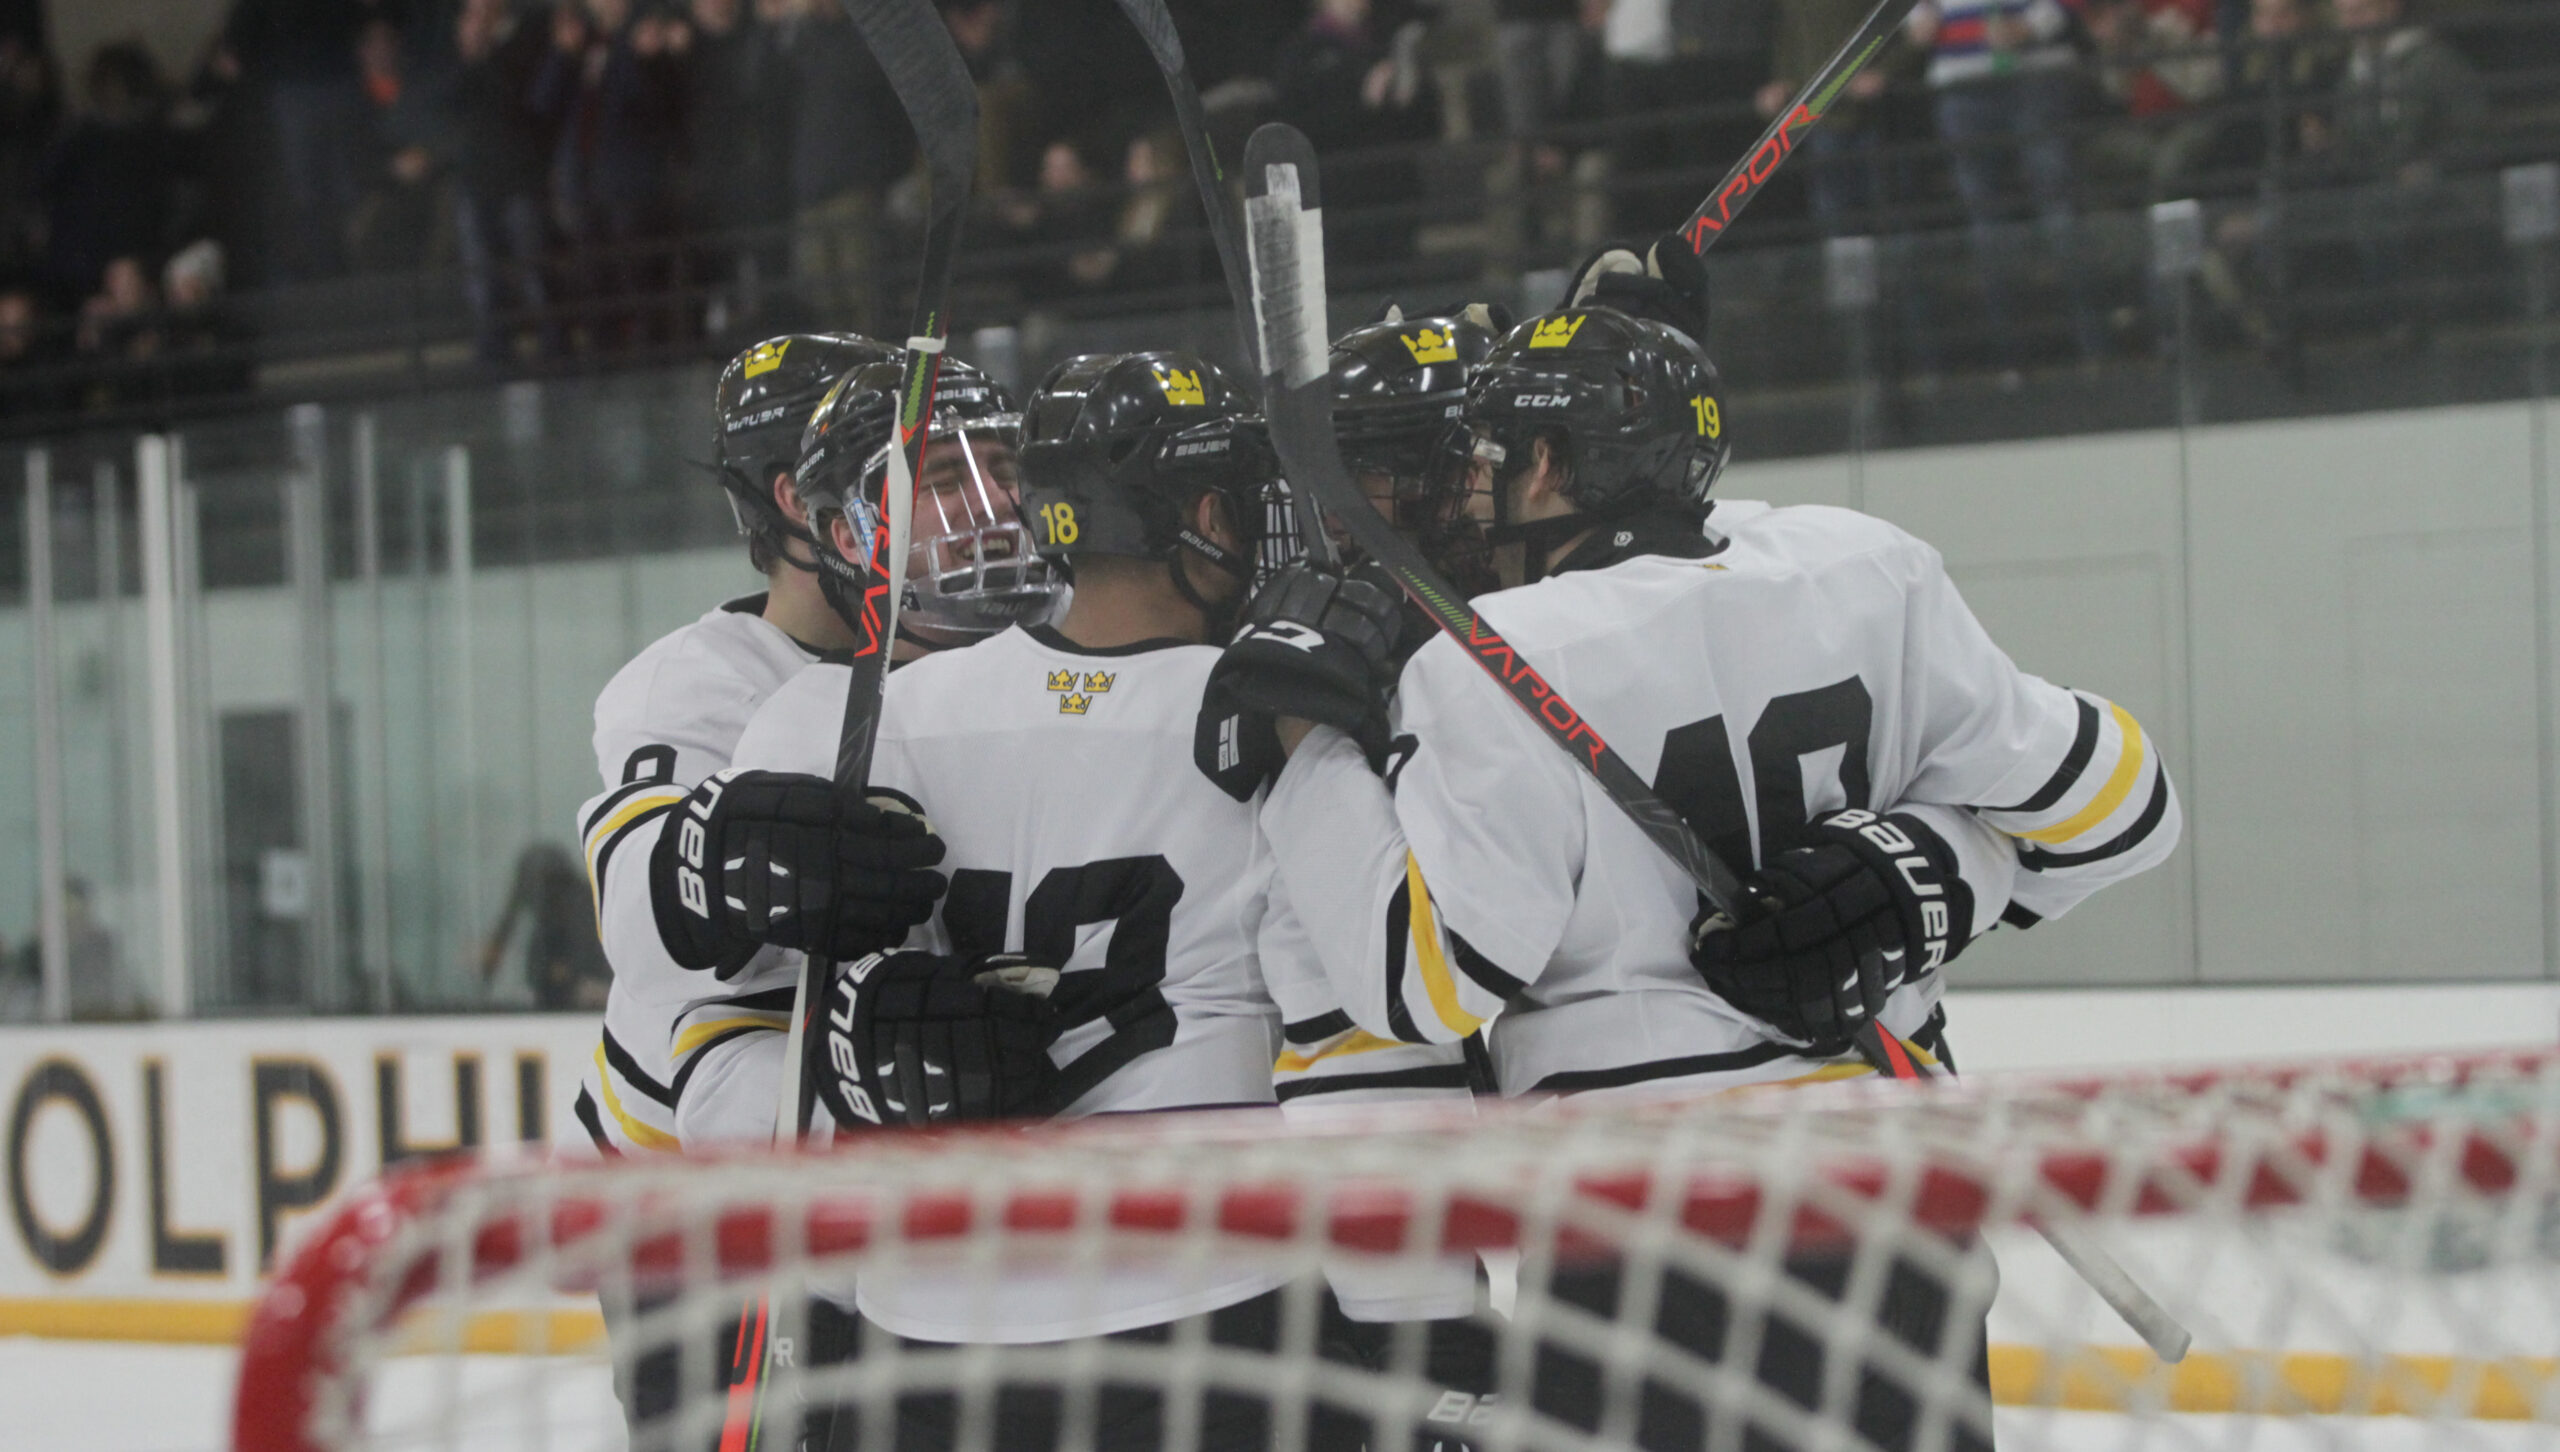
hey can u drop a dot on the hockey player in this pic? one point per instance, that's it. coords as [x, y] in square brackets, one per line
[671, 717]
[1804, 685]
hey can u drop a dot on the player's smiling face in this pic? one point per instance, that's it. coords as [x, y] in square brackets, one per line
[968, 484]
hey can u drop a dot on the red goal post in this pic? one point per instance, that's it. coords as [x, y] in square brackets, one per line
[2357, 1238]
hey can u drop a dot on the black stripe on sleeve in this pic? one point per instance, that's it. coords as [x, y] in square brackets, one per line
[1399, 932]
[604, 854]
[1435, 1076]
[2084, 744]
[629, 1068]
[702, 1051]
[1317, 1029]
[595, 1123]
[2036, 859]
[767, 1000]
[1481, 971]
[1575, 1080]
[2020, 918]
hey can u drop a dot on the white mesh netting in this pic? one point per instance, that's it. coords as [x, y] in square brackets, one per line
[2366, 1256]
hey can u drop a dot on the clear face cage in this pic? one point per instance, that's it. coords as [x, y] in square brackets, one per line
[971, 568]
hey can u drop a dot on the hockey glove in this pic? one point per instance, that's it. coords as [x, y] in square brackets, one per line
[765, 857]
[1316, 644]
[1874, 902]
[1668, 284]
[928, 1038]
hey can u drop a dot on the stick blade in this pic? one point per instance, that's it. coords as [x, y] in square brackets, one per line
[1284, 241]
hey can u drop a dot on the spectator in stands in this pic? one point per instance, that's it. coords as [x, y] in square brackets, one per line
[1539, 45]
[2288, 65]
[30, 113]
[1667, 59]
[2406, 98]
[119, 329]
[397, 224]
[1067, 226]
[737, 193]
[849, 141]
[610, 88]
[303, 53]
[2158, 70]
[203, 344]
[106, 183]
[26, 348]
[1006, 103]
[500, 151]
[1348, 85]
[2006, 81]
[1849, 182]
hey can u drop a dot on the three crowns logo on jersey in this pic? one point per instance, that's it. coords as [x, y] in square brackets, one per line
[1433, 345]
[1075, 701]
[1181, 389]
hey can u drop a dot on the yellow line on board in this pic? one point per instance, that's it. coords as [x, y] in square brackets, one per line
[2086, 1379]
[219, 1323]
[2269, 1383]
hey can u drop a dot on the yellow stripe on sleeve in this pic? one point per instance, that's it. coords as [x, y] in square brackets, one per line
[646, 801]
[1358, 1041]
[702, 1033]
[2119, 785]
[638, 1133]
[1436, 980]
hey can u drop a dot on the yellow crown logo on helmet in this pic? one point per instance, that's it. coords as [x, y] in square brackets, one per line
[763, 358]
[1074, 705]
[1555, 332]
[1099, 682]
[1433, 345]
[1062, 680]
[1181, 389]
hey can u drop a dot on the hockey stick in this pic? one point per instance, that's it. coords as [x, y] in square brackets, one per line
[941, 102]
[1810, 105]
[1155, 27]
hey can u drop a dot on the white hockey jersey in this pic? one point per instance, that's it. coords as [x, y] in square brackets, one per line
[1813, 659]
[669, 718]
[1061, 779]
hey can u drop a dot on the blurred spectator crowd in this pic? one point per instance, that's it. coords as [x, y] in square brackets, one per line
[609, 177]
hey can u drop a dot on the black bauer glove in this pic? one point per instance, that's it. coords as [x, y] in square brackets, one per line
[1316, 644]
[1667, 284]
[916, 1039]
[1874, 902]
[768, 857]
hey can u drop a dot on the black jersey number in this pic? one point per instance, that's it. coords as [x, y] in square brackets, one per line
[1697, 776]
[1134, 894]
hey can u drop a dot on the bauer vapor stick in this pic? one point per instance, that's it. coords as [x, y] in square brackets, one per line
[1776, 144]
[941, 102]
[1285, 229]
[1155, 26]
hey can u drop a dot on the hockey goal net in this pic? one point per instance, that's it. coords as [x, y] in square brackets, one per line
[2366, 1254]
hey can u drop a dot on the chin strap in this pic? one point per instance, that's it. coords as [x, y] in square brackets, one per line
[1218, 618]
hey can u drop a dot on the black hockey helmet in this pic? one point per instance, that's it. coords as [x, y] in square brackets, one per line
[1399, 387]
[1118, 446]
[971, 570]
[763, 405]
[1632, 407]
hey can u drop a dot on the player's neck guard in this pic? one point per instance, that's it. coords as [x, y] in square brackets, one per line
[1653, 527]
